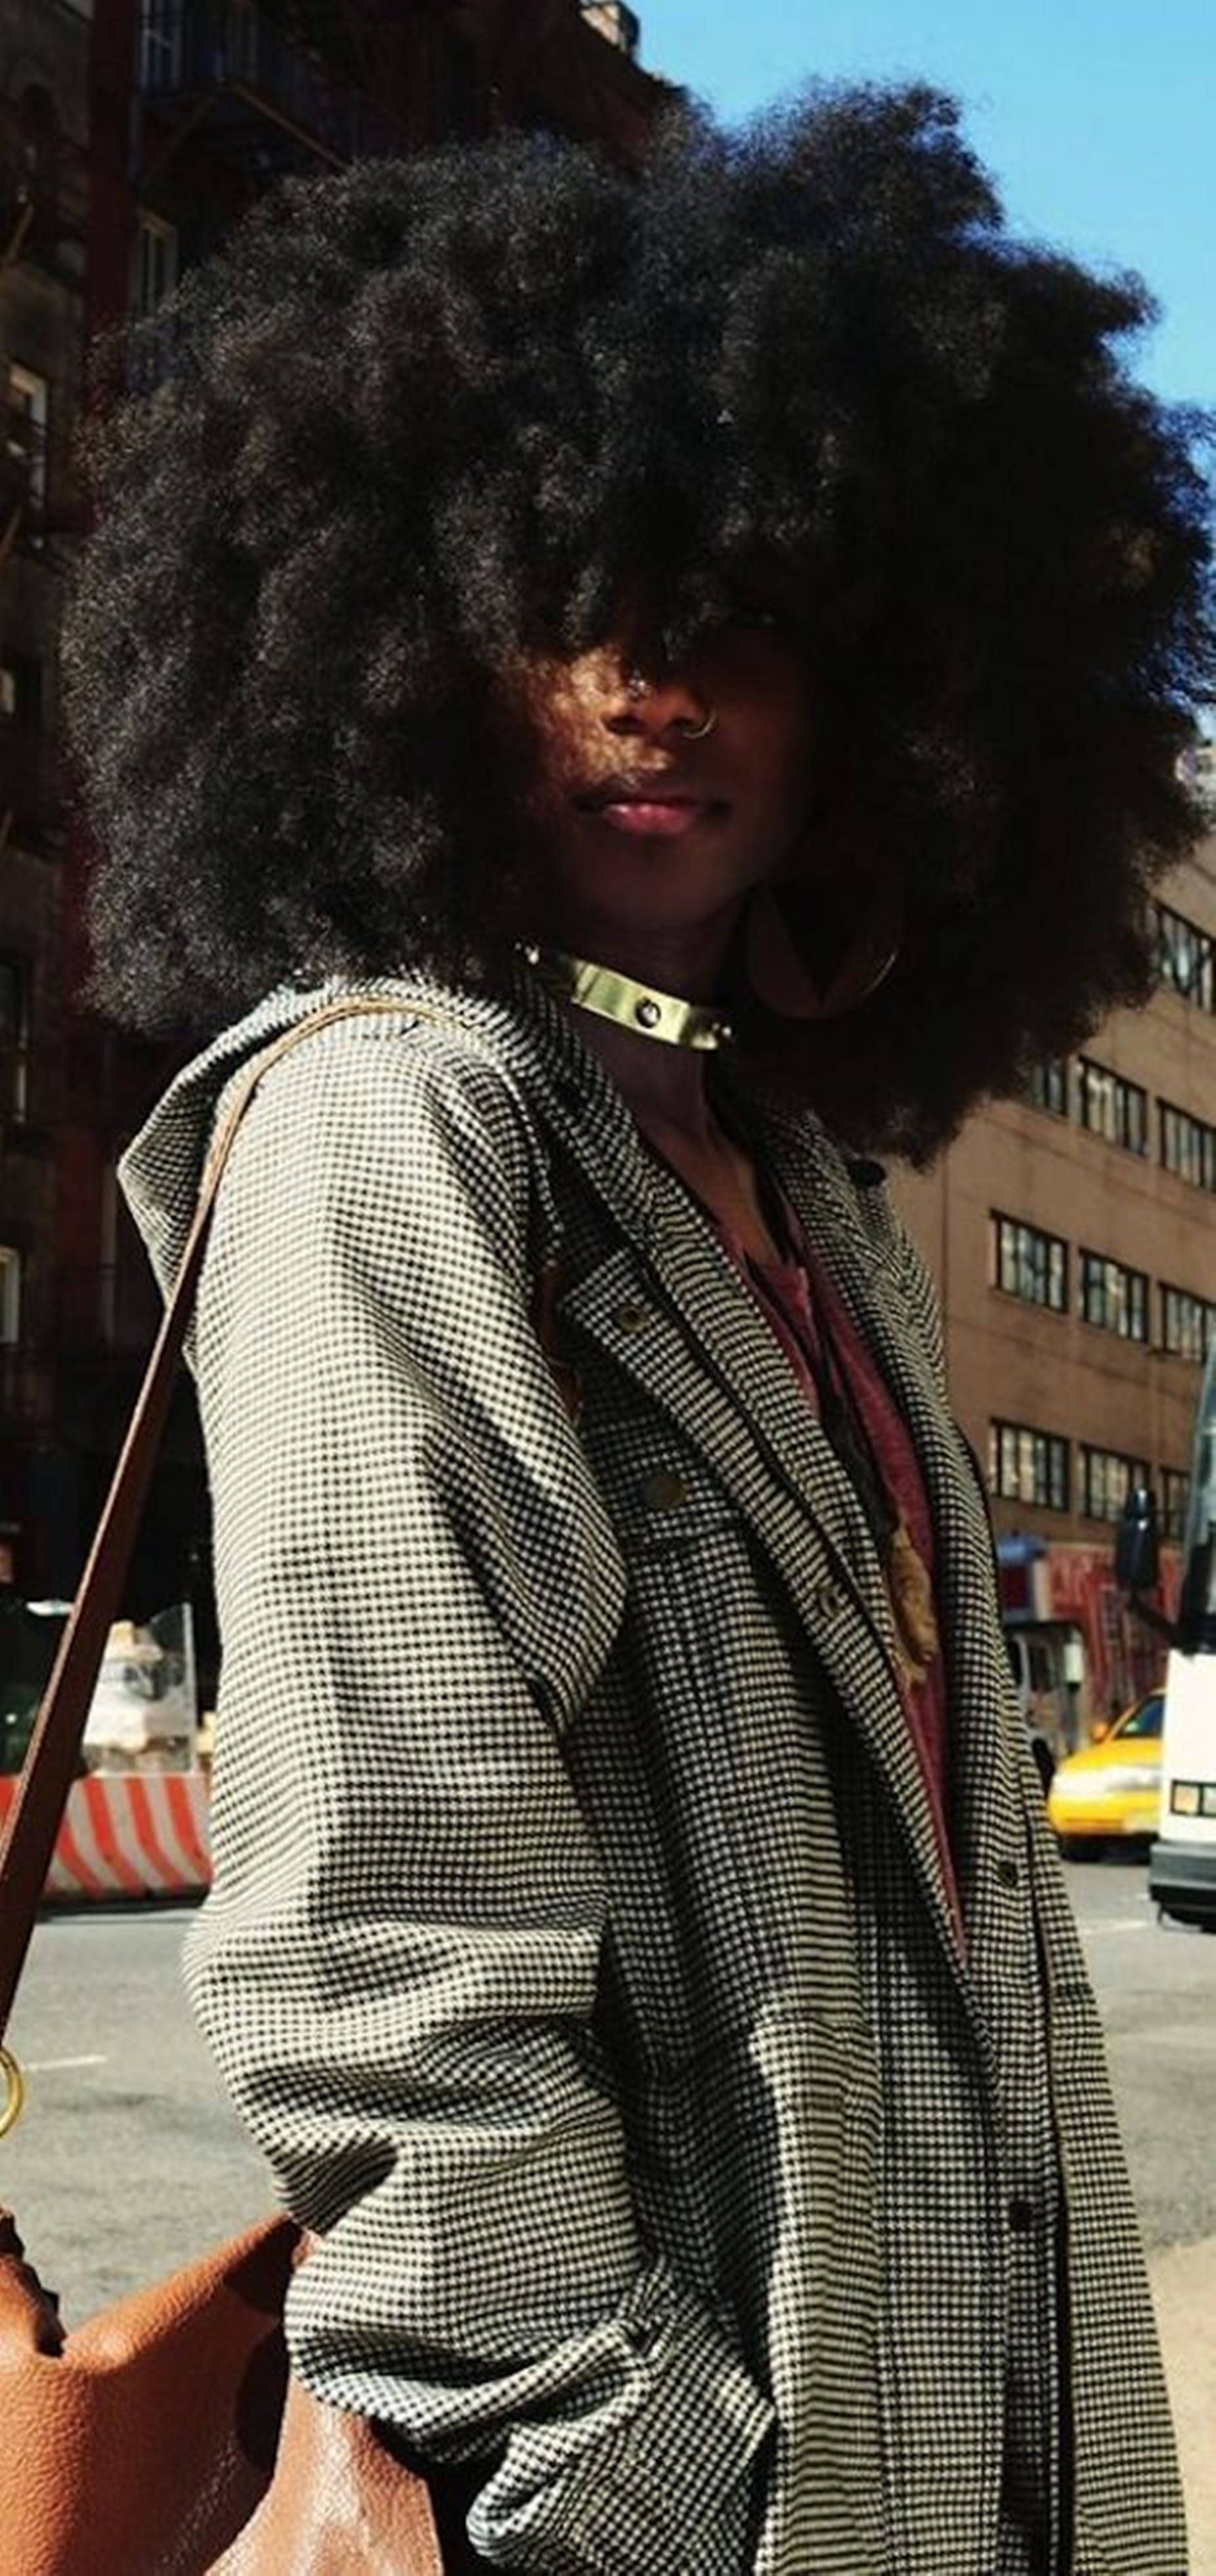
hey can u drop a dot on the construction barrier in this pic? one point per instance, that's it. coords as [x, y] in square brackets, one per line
[130, 1833]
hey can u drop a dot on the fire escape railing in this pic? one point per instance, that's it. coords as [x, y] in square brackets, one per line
[188, 51]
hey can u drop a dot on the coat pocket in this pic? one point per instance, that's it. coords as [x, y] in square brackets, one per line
[659, 1493]
[759, 2167]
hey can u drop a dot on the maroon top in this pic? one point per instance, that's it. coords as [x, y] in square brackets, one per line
[794, 1294]
[800, 1300]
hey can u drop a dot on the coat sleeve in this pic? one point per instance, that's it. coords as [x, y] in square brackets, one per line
[397, 1965]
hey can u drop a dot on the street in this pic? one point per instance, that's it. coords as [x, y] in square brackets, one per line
[1156, 1985]
[128, 2160]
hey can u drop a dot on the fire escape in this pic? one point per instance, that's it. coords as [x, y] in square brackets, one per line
[43, 223]
[43, 214]
[272, 85]
[263, 88]
[30, 778]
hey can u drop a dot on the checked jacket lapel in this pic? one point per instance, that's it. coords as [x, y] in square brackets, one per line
[866, 1265]
[669, 1308]
[691, 1362]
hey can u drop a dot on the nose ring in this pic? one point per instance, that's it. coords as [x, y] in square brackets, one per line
[636, 686]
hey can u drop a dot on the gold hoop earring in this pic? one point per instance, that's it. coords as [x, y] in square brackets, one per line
[803, 961]
[701, 733]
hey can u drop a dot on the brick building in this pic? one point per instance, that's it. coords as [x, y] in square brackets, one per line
[132, 134]
[1072, 1238]
[44, 65]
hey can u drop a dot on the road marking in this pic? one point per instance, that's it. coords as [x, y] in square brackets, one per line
[1121, 1923]
[59, 2065]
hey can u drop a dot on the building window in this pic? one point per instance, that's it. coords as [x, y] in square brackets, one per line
[1028, 1263]
[1106, 1480]
[1188, 1323]
[14, 1038]
[1188, 1147]
[36, 124]
[1048, 1086]
[160, 45]
[1185, 957]
[21, 688]
[1175, 1497]
[1113, 1297]
[1028, 1466]
[26, 429]
[1113, 1108]
[1197, 770]
[10, 1295]
[155, 265]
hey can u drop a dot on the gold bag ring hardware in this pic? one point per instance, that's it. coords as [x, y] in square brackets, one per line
[13, 2103]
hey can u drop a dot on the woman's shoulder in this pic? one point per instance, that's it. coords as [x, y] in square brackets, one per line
[351, 1054]
[369, 1092]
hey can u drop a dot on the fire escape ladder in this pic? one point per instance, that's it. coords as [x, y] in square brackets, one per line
[16, 241]
[174, 139]
[10, 532]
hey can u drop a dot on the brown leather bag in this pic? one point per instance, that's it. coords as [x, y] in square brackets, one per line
[165, 2437]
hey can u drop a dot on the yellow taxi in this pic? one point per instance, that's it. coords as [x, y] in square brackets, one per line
[1112, 1791]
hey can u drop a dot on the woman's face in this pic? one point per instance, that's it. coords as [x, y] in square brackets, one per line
[663, 791]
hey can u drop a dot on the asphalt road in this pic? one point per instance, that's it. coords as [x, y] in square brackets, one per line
[1156, 1985]
[128, 2160]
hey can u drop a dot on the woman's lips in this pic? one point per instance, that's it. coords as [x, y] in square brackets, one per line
[654, 818]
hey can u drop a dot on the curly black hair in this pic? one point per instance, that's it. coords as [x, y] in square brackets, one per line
[428, 413]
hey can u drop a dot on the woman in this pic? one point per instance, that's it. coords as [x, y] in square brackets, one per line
[703, 659]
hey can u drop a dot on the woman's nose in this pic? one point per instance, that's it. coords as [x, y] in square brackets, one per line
[648, 704]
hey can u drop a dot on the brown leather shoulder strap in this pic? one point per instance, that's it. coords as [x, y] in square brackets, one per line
[34, 1818]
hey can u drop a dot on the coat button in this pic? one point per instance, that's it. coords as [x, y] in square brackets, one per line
[1021, 2216]
[665, 1491]
[1007, 1872]
[829, 1600]
[630, 1317]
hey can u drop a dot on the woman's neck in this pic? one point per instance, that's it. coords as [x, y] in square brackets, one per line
[664, 1085]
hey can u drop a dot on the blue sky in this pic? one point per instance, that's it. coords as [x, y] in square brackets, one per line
[1097, 117]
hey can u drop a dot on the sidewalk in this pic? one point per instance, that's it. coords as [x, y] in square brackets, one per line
[1184, 2286]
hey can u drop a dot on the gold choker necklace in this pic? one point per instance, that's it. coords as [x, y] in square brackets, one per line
[640, 1007]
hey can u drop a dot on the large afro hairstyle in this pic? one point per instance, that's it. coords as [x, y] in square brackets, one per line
[427, 413]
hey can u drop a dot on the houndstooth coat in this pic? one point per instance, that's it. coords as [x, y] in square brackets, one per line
[578, 1950]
